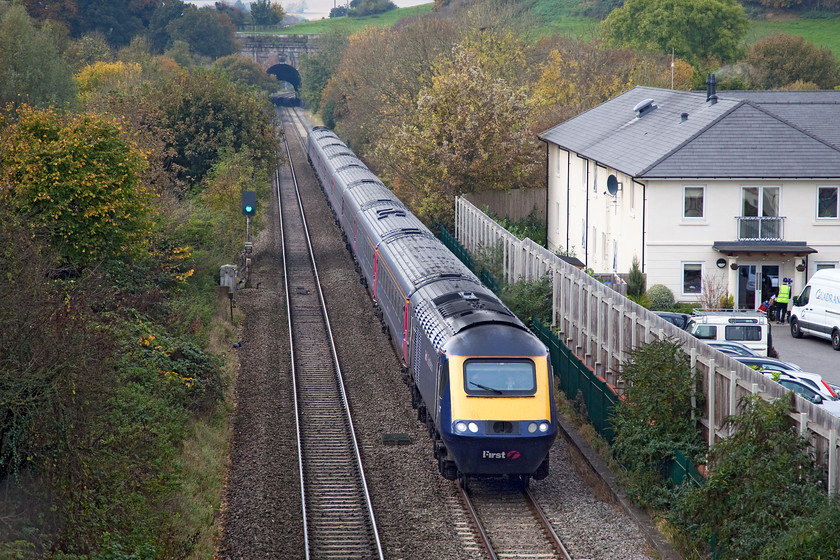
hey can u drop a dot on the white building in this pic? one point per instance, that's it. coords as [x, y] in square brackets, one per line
[722, 188]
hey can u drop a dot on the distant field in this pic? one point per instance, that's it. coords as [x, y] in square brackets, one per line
[821, 32]
[557, 17]
[355, 24]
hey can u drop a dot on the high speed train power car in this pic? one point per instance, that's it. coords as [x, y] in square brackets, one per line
[480, 380]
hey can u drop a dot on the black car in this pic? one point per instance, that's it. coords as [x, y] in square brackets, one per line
[678, 319]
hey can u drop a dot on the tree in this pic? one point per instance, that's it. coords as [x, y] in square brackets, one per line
[76, 179]
[469, 133]
[208, 32]
[656, 417]
[31, 69]
[208, 115]
[158, 31]
[360, 8]
[780, 60]
[761, 479]
[693, 29]
[237, 68]
[118, 20]
[316, 69]
[376, 84]
[265, 12]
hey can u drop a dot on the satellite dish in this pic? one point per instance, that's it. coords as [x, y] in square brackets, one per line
[612, 185]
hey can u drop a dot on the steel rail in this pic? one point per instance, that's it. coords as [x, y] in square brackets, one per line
[334, 355]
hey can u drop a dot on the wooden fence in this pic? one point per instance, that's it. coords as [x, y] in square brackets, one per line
[602, 327]
[515, 204]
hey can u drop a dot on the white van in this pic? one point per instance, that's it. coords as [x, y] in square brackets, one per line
[748, 328]
[816, 310]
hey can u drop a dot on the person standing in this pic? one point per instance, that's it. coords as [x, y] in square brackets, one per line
[782, 301]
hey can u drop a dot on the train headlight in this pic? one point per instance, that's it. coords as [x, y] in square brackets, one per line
[532, 427]
[544, 427]
[473, 427]
[460, 427]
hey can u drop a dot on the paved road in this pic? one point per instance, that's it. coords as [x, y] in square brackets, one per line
[811, 354]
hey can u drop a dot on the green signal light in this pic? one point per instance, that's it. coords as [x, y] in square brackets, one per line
[249, 209]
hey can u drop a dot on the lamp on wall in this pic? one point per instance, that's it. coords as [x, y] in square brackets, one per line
[721, 263]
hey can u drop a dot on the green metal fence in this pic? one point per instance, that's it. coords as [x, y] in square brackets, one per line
[578, 381]
[457, 249]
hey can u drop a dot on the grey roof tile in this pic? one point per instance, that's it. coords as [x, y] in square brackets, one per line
[744, 134]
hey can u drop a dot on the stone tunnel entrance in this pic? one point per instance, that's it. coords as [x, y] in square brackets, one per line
[286, 73]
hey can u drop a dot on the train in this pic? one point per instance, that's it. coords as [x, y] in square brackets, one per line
[480, 380]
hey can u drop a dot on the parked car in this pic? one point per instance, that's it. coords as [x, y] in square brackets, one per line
[807, 392]
[816, 382]
[680, 320]
[762, 363]
[732, 348]
[747, 328]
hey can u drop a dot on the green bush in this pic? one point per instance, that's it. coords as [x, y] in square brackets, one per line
[660, 296]
[530, 299]
[762, 491]
[657, 420]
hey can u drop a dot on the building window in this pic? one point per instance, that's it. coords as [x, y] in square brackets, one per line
[827, 203]
[594, 243]
[825, 265]
[604, 247]
[694, 202]
[583, 235]
[692, 273]
[615, 255]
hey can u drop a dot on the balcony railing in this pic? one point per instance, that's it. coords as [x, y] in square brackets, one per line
[752, 228]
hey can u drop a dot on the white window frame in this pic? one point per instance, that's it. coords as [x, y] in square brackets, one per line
[836, 203]
[702, 215]
[682, 278]
[822, 265]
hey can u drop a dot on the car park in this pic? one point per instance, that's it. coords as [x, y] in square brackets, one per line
[746, 328]
[680, 320]
[762, 363]
[732, 348]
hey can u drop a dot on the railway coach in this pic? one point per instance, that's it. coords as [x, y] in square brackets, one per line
[480, 380]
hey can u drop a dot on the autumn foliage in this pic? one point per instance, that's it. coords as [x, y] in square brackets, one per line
[76, 179]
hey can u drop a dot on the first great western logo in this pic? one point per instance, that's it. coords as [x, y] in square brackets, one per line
[513, 454]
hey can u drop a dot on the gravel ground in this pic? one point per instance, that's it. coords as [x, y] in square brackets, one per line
[415, 507]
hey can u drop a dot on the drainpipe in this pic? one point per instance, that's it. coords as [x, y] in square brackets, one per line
[547, 189]
[644, 217]
[586, 221]
[568, 196]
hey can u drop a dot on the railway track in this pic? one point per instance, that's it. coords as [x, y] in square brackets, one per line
[338, 517]
[509, 522]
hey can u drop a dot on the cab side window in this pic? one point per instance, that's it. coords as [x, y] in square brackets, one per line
[803, 297]
[706, 331]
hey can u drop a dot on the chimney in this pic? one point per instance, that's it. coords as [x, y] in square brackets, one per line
[683, 117]
[711, 95]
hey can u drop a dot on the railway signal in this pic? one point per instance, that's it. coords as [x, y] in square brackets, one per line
[249, 203]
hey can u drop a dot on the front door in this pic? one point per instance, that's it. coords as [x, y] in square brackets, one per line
[746, 287]
[770, 281]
